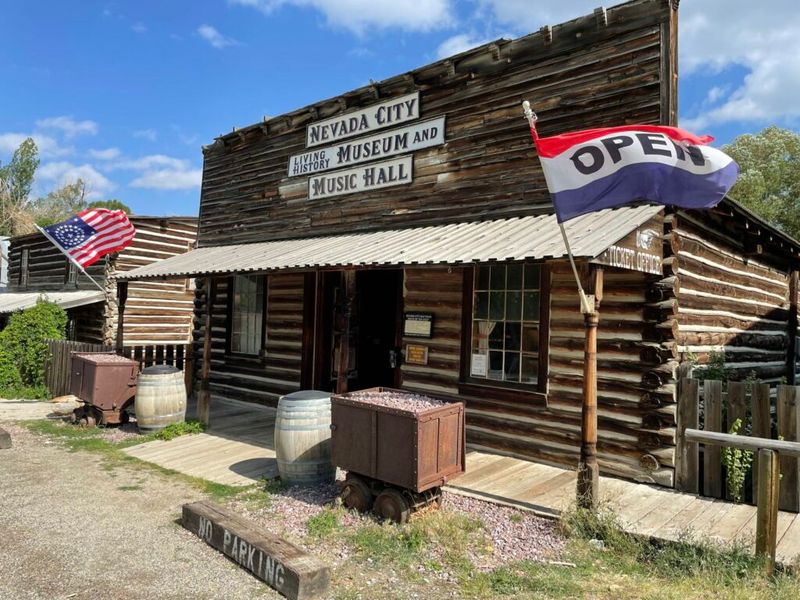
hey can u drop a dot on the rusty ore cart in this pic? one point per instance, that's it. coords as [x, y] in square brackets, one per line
[396, 460]
[106, 383]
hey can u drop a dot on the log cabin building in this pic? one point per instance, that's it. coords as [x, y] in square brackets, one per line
[401, 235]
[157, 312]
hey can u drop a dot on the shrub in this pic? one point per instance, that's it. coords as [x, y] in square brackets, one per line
[9, 374]
[23, 339]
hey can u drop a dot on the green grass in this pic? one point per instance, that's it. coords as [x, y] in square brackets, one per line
[323, 524]
[25, 392]
[90, 439]
[174, 430]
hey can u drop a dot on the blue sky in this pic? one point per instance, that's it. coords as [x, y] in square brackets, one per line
[123, 94]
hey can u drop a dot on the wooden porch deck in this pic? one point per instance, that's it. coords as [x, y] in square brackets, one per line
[238, 449]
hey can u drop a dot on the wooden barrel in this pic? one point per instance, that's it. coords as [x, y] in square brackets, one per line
[303, 438]
[160, 398]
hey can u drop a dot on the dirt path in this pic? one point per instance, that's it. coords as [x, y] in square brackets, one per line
[70, 528]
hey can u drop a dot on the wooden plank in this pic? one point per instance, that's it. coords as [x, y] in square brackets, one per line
[789, 545]
[687, 453]
[767, 516]
[787, 428]
[712, 463]
[762, 425]
[282, 565]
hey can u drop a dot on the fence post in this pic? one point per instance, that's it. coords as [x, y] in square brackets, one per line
[787, 428]
[767, 510]
[762, 426]
[687, 452]
[712, 457]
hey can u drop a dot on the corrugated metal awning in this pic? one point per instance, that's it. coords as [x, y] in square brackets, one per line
[11, 301]
[517, 238]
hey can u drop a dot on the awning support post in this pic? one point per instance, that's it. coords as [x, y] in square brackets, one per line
[588, 470]
[122, 298]
[344, 344]
[204, 396]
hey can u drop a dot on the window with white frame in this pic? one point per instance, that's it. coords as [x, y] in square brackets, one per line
[247, 314]
[505, 323]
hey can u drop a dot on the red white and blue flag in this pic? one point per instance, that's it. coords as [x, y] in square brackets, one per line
[91, 234]
[602, 168]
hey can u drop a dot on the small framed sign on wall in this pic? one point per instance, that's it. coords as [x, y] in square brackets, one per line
[417, 324]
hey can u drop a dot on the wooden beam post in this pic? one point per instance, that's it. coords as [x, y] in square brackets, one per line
[588, 470]
[687, 453]
[767, 511]
[204, 396]
[344, 344]
[122, 298]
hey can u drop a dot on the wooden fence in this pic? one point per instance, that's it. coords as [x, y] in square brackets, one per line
[715, 406]
[58, 365]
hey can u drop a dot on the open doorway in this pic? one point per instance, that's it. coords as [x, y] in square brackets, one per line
[372, 331]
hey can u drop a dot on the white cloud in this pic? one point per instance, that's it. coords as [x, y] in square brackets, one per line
[359, 16]
[107, 154]
[56, 174]
[139, 27]
[146, 134]
[151, 161]
[458, 44]
[214, 37]
[68, 126]
[48, 147]
[169, 179]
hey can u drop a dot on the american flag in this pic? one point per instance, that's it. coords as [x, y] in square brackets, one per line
[91, 234]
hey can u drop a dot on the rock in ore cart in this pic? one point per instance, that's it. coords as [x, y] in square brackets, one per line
[398, 449]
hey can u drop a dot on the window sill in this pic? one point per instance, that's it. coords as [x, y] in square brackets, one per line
[503, 392]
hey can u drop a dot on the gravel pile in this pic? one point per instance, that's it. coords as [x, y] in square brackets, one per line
[413, 403]
[102, 358]
[515, 534]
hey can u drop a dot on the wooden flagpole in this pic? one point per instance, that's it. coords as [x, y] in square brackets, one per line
[588, 470]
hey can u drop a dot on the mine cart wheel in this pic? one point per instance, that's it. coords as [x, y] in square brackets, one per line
[392, 504]
[356, 494]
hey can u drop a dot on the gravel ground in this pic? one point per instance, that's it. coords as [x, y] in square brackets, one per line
[71, 529]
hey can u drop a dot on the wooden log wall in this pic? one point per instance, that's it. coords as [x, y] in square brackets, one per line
[611, 67]
[156, 312]
[636, 402]
[439, 292]
[47, 267]
[731, 304]
[256, 379]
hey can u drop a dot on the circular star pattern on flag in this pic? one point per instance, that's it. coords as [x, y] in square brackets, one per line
[69, 235]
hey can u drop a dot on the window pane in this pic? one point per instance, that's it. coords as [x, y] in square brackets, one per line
[514, 277]
[512, 366]
[247, 314]
[496, 365]
[512, 336]
[498, 278]
[483, 279]
[531, 277]
[482, 305]
[497, 305]
[496, 336]
[514, 306]
[480, 332]
[530, 311]
[530, 369]
[530, 338]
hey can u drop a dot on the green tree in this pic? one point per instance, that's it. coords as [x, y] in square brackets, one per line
[59, 204]
[769, 183]
[16, 179]
[111, 203]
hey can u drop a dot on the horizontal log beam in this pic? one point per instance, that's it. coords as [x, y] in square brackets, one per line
[743, 442]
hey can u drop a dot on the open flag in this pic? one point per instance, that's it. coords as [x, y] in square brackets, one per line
[91, 234]
[602, 168]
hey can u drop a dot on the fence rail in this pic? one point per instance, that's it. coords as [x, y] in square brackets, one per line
[58, 364]
[714, 406]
